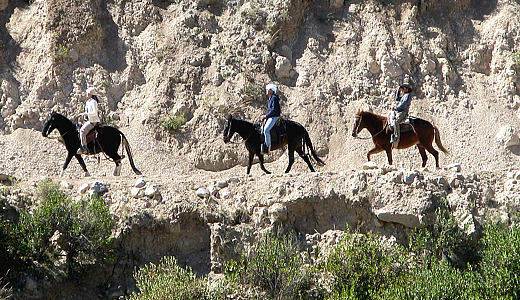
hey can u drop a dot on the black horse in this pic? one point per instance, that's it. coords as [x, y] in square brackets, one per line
[297, 137]
[108, 141]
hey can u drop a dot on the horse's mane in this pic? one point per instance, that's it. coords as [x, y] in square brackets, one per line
[364, 113]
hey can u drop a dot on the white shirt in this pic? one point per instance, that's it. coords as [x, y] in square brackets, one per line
[92, 110]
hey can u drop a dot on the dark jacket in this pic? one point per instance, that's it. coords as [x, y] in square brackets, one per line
[273, 107]
[404, 102]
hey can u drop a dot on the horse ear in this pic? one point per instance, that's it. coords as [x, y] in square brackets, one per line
[230, 117]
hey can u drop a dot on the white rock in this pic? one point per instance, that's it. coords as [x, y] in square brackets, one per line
[152, 192]
[508, 136]
[84, 188]
[277, 213]
[203, 193]
[224, 193]
[369, 165]
[139, 183]
[454, 167]
[222, 184]
[284, 68]
[136, 192]
[66, 185]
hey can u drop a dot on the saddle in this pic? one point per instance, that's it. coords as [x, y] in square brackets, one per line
[92, 142]
[407, 125]
[278, 132]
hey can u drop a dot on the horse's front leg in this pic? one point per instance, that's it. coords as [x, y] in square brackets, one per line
[82, 164]
[250, 162]
[389, 155]
[66, 163]
[373, 151]
[261, 159]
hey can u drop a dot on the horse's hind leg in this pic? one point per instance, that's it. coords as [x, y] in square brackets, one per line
[261, 159]
[435, 154]
[291, 159]
[82, 164]
[66, 163]
[117, 159]
[305, 158]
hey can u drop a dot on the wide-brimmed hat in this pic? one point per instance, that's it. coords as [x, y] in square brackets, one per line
[92, 91]
[406, 85]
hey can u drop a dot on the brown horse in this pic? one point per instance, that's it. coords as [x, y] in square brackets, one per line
[422, 134]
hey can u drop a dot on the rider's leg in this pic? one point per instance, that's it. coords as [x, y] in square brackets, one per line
[85, 129]
[269, 124]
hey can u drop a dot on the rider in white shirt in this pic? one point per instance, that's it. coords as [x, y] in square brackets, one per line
[91, 117]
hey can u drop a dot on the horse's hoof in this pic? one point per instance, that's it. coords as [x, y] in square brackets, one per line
[86, 174]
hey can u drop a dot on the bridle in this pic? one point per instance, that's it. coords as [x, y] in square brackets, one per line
[359, 123]
[252, 129]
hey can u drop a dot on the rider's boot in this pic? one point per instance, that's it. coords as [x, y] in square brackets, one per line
[82, 150]
[263, 149]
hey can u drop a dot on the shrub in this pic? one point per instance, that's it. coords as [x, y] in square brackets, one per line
[174, 123]
[84, 228]
[168, 281]
[361, 265]
[274, 266]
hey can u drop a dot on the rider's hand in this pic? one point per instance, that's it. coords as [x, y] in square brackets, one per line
[262, 117]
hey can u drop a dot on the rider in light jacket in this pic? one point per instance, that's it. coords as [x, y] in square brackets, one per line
[91, 117]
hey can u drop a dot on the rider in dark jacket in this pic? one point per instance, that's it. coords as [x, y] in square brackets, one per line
[272, 115]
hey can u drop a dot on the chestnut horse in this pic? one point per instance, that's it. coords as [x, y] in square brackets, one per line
[422, 134]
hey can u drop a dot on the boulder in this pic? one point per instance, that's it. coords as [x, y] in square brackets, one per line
[203, 193]
[407, 219]
[139, 183]
[4, 4]
[369, 165]
[507, 137]
[284, 68]
[337, 4]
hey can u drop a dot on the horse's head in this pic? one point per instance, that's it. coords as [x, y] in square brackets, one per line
[49, 125]
[228, 133]
[357, 123]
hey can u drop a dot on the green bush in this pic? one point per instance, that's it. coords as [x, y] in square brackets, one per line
[275, 267]
[83, 228]
[361, 265]
[168, 281]
[174, 123]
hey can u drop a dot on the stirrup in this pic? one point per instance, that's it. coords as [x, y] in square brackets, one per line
[263, 149]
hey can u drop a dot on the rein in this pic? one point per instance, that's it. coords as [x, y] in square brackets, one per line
[371, 137]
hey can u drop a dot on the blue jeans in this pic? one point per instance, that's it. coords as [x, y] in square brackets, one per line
[269, 124]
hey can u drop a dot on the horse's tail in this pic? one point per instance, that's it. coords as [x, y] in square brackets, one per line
[129, 153]
[311, 148]
[438, 140]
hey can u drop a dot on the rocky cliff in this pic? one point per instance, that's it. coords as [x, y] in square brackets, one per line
[206, 59]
